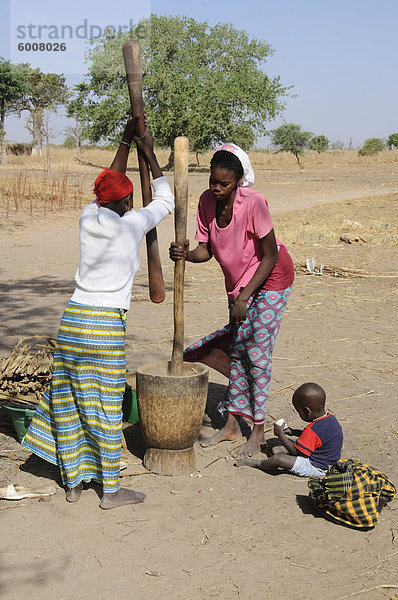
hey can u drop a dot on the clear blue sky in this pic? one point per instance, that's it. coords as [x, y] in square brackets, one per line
[340, 56]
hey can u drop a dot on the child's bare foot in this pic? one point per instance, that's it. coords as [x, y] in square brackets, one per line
[120, 498]
[269, 465]
[73, 494]
[253, 444]
[275, 446]
[246, 462]
[230, 432]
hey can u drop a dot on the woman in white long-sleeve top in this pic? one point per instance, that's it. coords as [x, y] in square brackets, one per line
[78, 423]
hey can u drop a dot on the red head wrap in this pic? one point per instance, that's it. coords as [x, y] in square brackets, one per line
[111, 186]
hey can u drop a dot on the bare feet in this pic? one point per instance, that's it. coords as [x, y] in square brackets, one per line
[230, 432]
[73, 494]
[247, 462]
[120, 498]
[269, 465]
[275, 446]
[253, 444]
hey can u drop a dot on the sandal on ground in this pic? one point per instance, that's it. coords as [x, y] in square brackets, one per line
[14, 491]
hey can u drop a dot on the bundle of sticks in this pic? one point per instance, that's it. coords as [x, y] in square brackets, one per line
[26, 372]
[330, 271]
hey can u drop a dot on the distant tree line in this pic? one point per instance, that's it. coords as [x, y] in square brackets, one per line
[289, 137]
[205, 82]
[375, 145]
[25, 89]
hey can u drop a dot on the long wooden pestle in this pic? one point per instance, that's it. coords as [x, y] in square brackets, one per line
[181, 147]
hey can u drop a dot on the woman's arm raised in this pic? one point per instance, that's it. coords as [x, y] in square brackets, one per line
[119, 163]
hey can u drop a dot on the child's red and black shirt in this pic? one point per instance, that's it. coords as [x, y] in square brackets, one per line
[321, 441]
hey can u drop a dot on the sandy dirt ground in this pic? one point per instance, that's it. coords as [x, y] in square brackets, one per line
[223, 532]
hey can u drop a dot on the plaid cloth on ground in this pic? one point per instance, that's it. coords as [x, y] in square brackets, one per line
[352, 493]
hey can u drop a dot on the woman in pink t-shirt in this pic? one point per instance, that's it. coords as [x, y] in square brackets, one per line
[234, 225]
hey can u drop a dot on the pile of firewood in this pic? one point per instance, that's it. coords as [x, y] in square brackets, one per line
[328, 271]
[26, 372]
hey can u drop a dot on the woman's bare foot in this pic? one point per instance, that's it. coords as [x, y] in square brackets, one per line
[120, 498]
[230, 432]
[73, 494]
[253, 444]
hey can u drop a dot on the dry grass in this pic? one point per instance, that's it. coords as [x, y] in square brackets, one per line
[68, 159]
[35, 192]
[62, 159]
[266, 158]
[323, 225]
[275, 160]
[25, 185]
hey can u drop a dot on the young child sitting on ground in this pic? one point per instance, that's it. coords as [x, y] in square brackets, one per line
[318, 446]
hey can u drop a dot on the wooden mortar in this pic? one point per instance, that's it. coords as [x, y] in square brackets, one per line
[172, 395]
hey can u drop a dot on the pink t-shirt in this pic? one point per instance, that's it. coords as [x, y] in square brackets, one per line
[237, 246]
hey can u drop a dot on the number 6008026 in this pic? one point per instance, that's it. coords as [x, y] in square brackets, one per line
[42, 47]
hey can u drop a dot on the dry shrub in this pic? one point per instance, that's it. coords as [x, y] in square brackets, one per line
[25, 185]
[36, 192]
[19, 148]
[326, 223]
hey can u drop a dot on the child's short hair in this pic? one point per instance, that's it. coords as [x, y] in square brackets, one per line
[312, 391]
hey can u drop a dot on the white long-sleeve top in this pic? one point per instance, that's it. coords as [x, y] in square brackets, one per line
[109, 248]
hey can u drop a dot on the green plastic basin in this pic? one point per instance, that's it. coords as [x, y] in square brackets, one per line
[130, 407]
[21, 418]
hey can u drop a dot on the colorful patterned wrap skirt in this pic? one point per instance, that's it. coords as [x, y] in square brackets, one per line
[245, 354]
[78, 422]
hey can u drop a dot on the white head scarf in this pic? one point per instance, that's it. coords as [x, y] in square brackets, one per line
[247, 179]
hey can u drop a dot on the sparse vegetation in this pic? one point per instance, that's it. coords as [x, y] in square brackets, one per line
[25, 187]
[19, 148]
[289, 137]
[319, 143]
[392, 141]
[45, 92]
[322, 226]
[372, 146]
[337, 145]
[69, 142]
[25, 191]
[13, 85]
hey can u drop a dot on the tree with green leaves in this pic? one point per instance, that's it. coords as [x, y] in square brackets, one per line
[74, 110]
[337, 145]
[13, 86]
[207, 83]
[319, 143]
[69, 142]
[46, 92]
[74, 132]
[289, 137]
[372, 146]
[392, 141]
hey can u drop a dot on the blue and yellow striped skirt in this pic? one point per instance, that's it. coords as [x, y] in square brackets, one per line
[78, 422]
